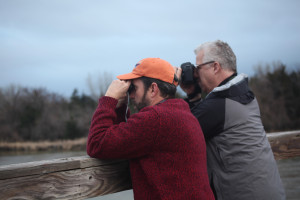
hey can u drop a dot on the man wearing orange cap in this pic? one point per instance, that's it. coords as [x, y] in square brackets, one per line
[163, 141]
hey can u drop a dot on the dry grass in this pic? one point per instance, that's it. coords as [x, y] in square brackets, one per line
[77, 144]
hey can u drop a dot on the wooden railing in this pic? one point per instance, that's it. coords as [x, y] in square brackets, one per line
[84, 177]
[285, 144]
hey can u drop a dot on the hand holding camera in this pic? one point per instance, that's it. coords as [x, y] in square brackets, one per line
[187, 76]
[188, 82]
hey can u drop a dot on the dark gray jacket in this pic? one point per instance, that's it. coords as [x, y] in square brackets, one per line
[240, 161]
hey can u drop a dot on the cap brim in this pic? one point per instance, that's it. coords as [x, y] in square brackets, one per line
[128, 76]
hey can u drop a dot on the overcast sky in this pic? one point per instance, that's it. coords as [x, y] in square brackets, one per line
[58, 44]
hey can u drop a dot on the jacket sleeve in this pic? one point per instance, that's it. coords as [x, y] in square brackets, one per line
[131, 139]
[123, 113]
[211, 116]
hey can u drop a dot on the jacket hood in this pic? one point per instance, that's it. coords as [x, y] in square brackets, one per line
[236, 89]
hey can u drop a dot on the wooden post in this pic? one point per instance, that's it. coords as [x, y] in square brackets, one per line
[84, 177]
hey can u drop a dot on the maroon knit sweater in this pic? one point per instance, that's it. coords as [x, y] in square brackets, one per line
[164, 144]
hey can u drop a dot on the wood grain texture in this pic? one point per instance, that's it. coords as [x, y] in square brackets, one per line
[50, 166]
[70, 184]
[285, 144]
[84, 177]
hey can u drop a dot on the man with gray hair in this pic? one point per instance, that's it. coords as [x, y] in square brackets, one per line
[240, 160]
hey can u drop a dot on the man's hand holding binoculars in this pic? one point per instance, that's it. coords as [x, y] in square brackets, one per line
[118, 90]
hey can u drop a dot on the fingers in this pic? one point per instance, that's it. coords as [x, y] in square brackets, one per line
[188, 89]
[178, 72]
[118, 89]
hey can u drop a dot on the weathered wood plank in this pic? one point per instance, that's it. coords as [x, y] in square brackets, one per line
[70, 184]
[50, 166]
[84, 177]
[285, 144]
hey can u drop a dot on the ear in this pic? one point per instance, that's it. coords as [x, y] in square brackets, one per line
[217, 67]
[154, 90]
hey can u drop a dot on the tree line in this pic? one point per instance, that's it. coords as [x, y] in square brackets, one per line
[36, 114]
[278, 93]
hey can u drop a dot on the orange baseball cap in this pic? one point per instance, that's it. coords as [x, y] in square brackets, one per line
[153, 68]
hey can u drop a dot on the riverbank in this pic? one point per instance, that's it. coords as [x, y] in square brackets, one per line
[59, 145]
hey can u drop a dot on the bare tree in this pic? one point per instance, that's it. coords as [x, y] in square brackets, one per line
[277, 92]
[99, 87]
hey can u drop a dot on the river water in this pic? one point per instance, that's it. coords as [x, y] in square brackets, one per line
[289, 171]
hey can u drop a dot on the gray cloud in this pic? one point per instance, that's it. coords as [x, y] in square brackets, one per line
[61, 42]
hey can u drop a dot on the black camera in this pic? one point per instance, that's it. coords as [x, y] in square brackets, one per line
[187, 78]
[187, 75]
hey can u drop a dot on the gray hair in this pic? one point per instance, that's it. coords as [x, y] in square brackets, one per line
[220, 52]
